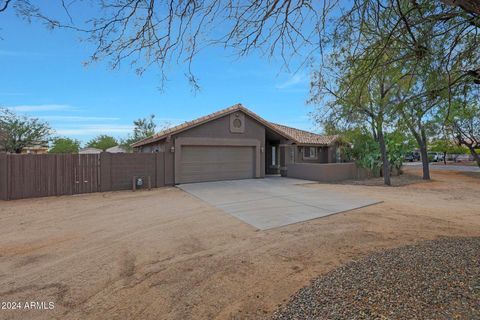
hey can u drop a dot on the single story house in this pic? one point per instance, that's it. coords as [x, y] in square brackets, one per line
[235, 143]
[40, 148]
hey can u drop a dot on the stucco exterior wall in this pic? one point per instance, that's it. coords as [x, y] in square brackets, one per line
[322, 152]
[326, 172]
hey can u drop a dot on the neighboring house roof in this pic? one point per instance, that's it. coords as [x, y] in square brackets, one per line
[89, 151]
[117, 149]
[36, 147]
[281, 130]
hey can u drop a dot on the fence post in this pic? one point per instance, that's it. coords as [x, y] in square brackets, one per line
[159, 169]
[3, 176]
[105, 171]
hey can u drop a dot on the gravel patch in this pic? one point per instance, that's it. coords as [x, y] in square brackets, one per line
[437, 279]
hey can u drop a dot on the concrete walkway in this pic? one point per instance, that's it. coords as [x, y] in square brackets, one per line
[274, 201]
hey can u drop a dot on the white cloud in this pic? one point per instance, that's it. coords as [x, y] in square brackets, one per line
[78, 118]
[95, 129]
[41, 107]
[296, 79]
[9, 53]
[15, 53]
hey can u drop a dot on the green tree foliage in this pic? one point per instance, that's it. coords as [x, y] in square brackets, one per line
[447, 146]
[102, 142]
[398, 145]
[360, 94]
[463, 122]
[143, 128]
[64, 145]
[21, 131]
[404, 58]
[365, 150]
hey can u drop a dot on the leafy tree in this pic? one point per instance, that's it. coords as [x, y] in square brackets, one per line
[419, 52]
[464, 122]
[447, 146]
[418, 110]
[143, 128]
[102, 142]
[366, 152]
[21, 131]
[64, 145]
[364, 149]
[398, 145]
[362, 95]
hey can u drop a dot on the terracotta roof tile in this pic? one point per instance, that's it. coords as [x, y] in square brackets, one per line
[305, 137]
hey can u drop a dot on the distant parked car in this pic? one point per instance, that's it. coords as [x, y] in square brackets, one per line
[435, 156]
[412, 156]
[464, 158]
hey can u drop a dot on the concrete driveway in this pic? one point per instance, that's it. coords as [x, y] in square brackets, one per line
[274, 201]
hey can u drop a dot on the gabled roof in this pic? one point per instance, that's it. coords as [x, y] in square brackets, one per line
[296, 135]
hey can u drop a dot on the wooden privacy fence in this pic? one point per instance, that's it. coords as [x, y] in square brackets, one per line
[28, 176]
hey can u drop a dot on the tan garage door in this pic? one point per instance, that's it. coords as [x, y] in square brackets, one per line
[211, 163]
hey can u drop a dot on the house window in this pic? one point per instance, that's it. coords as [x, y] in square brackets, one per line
[310, 153]
[274, 156]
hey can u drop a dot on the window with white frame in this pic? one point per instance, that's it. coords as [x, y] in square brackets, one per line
[310, 153]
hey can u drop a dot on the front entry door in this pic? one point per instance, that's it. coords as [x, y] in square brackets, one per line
[273, 158]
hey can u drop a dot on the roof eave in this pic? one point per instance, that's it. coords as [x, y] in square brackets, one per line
[301, 144]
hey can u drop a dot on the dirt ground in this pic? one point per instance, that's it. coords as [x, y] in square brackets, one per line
[164, 254]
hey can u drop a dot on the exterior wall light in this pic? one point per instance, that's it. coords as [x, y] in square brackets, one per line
[172, 149]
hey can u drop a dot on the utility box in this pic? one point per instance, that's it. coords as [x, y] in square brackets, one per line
[141, 182]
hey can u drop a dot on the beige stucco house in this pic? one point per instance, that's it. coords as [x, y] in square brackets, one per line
[235, 143]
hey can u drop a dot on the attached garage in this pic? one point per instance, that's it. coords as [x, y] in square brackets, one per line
[211, 163]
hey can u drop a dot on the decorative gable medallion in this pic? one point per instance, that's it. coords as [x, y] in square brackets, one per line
[237, 122]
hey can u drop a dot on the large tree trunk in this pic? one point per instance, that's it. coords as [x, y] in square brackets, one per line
[421, 138]
[424, 156]
[475, 155]
[383, 150]
[423, 145]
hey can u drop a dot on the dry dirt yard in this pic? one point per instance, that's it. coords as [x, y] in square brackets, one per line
[164, 254]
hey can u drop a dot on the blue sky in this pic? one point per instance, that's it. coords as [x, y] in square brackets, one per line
[42, 75]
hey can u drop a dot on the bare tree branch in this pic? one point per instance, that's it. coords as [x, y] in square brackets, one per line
[5, 5]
